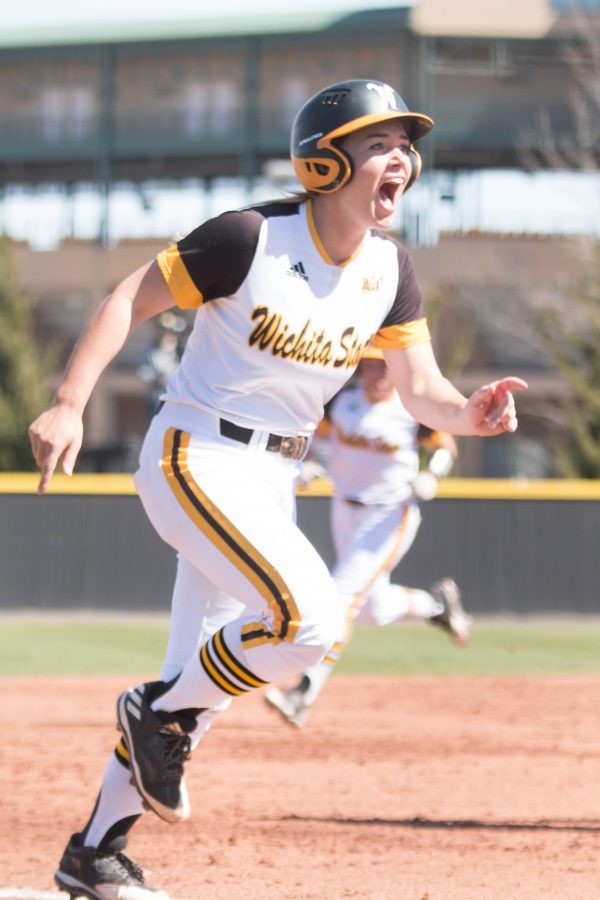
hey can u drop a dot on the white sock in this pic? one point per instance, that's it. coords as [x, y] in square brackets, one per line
[317, 676]
[118, 800]
[395, 602]
[422, 605]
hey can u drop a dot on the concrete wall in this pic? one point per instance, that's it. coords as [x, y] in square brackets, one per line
[518, 553]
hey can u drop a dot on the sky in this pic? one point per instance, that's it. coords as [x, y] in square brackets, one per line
[42, 12]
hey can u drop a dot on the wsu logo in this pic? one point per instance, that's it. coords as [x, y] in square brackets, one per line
[386, 93]
[371, 283]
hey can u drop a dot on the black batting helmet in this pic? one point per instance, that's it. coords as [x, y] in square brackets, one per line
[340, 109]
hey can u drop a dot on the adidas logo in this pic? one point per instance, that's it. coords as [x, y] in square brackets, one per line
[133, 703]
[297, 271]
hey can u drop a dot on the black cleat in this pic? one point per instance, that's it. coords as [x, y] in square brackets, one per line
[158, 744]
[106, 875]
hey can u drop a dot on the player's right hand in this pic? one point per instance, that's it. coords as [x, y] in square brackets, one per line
[56, 432]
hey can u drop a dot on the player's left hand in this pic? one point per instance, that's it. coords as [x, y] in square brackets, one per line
[491, 409]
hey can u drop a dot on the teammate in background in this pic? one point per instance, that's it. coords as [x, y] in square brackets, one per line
[288, 295]
[162, 358]
[374, 468]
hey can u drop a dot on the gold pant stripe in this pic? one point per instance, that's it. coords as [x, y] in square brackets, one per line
[224, 535]
[254, 634]
[357, 601]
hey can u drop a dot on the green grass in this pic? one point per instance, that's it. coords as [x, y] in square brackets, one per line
[496, 649]
[59, 646]
[63, 647]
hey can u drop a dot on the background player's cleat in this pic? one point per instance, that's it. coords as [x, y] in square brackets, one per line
[290, 704]
[158, 744]
[110, 875]
[453, 619]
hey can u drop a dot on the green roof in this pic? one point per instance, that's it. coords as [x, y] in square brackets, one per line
[172, 29]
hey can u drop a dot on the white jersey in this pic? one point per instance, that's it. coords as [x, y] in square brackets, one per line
[374, 451]
[280, 328]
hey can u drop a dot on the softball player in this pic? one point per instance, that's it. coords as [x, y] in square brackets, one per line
[288, 295]
[374, 468]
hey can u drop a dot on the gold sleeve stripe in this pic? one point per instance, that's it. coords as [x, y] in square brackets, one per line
[209, 519]
[216, 677]
[232, 665]
[399, 337]
[184, 291]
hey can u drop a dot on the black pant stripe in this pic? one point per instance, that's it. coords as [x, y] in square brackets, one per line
[227, 537]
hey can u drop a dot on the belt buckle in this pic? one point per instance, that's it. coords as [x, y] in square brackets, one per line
[292, 447]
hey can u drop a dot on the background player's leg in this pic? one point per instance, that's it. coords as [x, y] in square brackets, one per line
[370, 541]
[389, 603]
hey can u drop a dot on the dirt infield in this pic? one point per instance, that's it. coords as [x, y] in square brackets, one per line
[398, 789]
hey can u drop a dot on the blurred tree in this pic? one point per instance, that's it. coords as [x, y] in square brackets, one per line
[573, 342]
[580, 150]
[455, 359]
[24, 369]
[571, 333]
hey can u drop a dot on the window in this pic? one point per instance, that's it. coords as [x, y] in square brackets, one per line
[67, 113]
[209, 108]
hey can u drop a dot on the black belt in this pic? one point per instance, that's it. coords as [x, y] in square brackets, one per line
[352, 502]
[289, 447]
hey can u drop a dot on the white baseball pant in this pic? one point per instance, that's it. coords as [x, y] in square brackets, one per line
[227, 508]
[370, 540]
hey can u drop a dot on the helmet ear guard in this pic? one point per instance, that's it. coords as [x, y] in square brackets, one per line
[325, 173]
[416, 165]
[321, 165]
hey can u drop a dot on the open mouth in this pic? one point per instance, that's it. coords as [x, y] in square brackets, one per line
[388, 192]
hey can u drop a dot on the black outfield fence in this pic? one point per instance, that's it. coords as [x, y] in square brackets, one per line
[515, 548]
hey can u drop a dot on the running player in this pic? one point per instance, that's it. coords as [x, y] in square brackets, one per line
[374, 469]
[288, 295]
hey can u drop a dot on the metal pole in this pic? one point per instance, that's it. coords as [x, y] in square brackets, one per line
[105, 140]
[250, 121]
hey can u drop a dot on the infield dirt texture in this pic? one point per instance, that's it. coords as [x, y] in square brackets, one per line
[400, 788]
